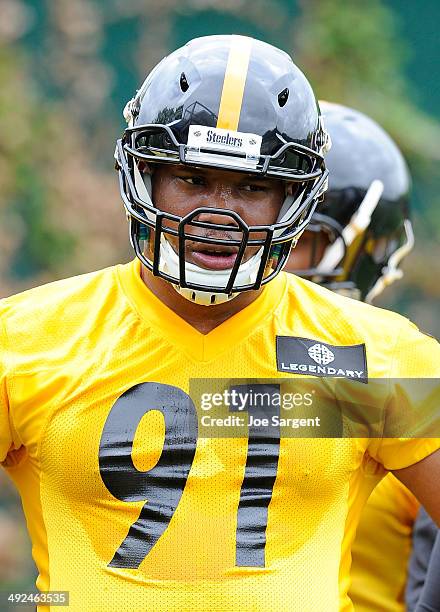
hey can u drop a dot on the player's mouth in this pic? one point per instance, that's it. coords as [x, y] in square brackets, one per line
[215, 258]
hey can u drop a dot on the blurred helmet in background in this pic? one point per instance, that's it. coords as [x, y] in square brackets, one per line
[232, 103]
[365, 212]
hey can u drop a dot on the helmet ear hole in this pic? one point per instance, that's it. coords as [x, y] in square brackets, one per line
[184, 86]
[283, 96]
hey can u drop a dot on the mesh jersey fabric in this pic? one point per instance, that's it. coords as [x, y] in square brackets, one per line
[382, 548]
[70, 349]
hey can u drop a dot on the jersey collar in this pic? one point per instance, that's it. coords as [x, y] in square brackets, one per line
[179, 333]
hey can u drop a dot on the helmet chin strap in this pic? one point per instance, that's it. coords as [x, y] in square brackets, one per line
[169, 260]
[169, 263]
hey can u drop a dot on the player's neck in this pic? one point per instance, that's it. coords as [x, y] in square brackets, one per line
[203, 318]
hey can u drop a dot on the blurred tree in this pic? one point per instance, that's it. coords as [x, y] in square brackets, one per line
[353, 54]
[49, 185]
[25, 198]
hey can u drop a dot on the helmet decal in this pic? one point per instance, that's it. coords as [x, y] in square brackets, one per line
[236, 148]
[233, 85]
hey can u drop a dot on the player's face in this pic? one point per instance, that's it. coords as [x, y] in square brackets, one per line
[308, 252]
[179, 191]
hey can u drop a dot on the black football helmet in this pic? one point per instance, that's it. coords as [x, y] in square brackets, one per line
[228, 102]
[365, 212]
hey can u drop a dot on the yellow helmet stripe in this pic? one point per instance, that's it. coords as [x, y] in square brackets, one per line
[233, 85]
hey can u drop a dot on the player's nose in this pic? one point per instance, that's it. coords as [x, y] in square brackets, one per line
[222, 198]
[222, 217]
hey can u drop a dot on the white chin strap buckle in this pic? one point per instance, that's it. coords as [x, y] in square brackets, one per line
[204, 298]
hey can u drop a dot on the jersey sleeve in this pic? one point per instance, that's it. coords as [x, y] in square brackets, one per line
[5, 430]
[411, 425]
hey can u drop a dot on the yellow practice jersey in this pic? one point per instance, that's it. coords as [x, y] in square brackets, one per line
[382, 547]
[129, 507]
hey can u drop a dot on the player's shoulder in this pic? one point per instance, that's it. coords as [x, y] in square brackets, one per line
[345, 318]
[329, 304]
[57, 301]
[394, 346]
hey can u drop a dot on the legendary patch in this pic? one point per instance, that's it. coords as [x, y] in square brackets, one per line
[312, 357]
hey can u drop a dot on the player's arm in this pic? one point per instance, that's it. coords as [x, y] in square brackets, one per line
[5, 433]
[422, 479]
[416, 370]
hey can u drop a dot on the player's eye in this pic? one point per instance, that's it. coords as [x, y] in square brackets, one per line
[193, 179]
[253, 187]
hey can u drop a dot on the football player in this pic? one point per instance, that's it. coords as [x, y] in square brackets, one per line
[354, 245]
[130, 503]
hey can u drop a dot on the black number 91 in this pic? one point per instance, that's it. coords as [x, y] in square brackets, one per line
[164, 484]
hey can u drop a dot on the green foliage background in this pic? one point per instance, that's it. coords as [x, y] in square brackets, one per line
[67, 67]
